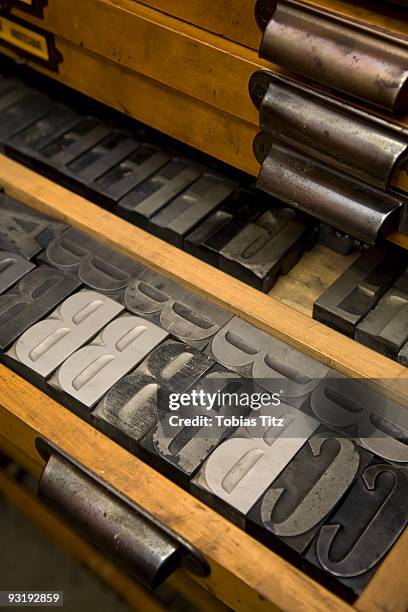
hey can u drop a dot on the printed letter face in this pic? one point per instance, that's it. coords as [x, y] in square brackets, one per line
[185, 315]
[354, 409]
[37, 293]
[95, 264]
[130, 408]
[47, 344]
[306, 491]
[12, 268]
[274, 365]
[90, 372]
[23, 230]
[365, 526]
[240, 470]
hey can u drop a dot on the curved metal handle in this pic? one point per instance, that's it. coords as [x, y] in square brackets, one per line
[127, 534]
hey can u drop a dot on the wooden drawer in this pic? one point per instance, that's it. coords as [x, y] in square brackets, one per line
[244, 574]
[149, 64]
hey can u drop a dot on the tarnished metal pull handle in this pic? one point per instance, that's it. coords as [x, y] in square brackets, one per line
[135, 540]
[337, 51]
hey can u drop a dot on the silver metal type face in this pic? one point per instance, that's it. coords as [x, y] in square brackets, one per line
[184, 314]
[240, 469]
[48, 343]
[12, 268]
[90, 372]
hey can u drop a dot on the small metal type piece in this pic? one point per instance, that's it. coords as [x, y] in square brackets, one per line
[223, 225]
[130, 408]
[31, 299]
[130, 172]
[129, 535]
[12, 268]
[43, 348]
[95, 264]
[74, 143]
[339, 200]
[290, 512]
[85, 377]
[24, 230]
[25, 111]
[275, 366]
[351, 549]
[351, 297]
[385, 328]
[174, 222]
[185, 315]
[349, 140]
[181, 440]
[148, 198]
[240, 469]
[26, 144]
[11, 91]
[356, 410]
[267, 247]
[337, 51]
[337, 241]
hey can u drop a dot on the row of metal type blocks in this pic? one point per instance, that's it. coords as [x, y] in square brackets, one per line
[277, 442]
[188, 204]
[369, 302]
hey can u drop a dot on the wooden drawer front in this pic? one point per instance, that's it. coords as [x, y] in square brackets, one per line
[209, 73]
[262, 580]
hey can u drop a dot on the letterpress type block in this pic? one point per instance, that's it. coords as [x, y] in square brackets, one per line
[269, 246]
[372, 515]
[351, 297]
[24, 230]
[47, 344]
[12, 268]
[31, 299]
[184, 314]
[85, 377]
[146, 200]
[130, 408]
[174, 222]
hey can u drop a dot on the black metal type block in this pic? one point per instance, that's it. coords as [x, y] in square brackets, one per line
[351, 297]
[290, 512]
[153, 194]
[353, 541]
[174, 222]
[26, 144]
[130, 408]
[356, 410]
[24, 230]
[240, 469]
[185, 315]
[268, 247]
[88, 374]
[31, 299]
[44, 347]
[336, 240]
[385, 328]
[12, 268]
[25, 111]
[95, 264]
[275, 366]
[190, 426]
[211, 236]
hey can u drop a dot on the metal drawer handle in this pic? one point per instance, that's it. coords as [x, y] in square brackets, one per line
[148, 550]
[340, 52]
